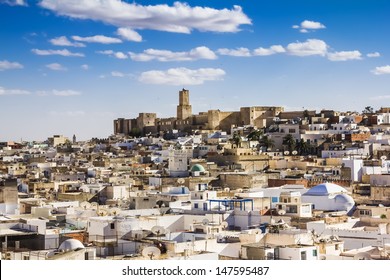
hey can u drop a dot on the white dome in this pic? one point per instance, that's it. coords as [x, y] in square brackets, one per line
[325, 189]
[71, 245]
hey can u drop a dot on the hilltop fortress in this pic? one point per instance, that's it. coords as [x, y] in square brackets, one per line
[145, 123]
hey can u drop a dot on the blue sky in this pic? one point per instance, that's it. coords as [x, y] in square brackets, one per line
[71, 67]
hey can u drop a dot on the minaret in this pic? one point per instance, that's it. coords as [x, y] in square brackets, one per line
[184, 109]
[74, 138]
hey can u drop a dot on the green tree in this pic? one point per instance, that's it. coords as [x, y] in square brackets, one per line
[267, 142]
[290, 142]
[303, 147]
[236, 139]
[368, 110]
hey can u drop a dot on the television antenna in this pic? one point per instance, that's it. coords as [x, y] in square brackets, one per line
[151, 252]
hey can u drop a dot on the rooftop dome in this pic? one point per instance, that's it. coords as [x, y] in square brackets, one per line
[71, 245]
[197, 168]
[325, 189]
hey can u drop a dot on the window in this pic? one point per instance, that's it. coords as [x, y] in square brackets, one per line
[336, 247]
[303, 255]
[196, 206]
[315, 253]
[112, 226]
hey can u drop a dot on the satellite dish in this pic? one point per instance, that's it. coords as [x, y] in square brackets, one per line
[102, 212]
[94, 205]
[362, 256]
[158, 230]
[226, 189]
[256, 231]
[286, 153]
[205, 222]
[151, 252]
[180, 181]
[281, 212]
[85, 205]
[171, 254]
[114, 211]
[239, 190]
[224, 225]
[383, 157]
[294, 153]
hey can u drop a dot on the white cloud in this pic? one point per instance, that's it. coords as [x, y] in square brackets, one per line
[309, 47]
[307, 25]
[129, 34]
[63, 52]
[56, 67]
[85, 66]
[380, 97]
[182, 76]
[374, 54]
[101, 39]
[7, 65]
[166, 55]
[63, 41]
[344, 56]
[381, 70]
[234, 52]
[14, 2]
[119, 55]
[118, 74]
[270, 51]
[65, 92]
[5, 91]
[179, 18]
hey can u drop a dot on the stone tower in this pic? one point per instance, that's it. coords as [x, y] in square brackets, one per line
[184, 109]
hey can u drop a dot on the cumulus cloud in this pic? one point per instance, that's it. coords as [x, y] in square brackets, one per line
[344, 55]
[182, 76]
[5, 91]
[119, 55]
[166, 55]
[14, 2]
[381, 70]
[118, 74]
[56, 67]
[308, 25]
[374, 54]
[85, 66]
[7, 65]
[309, 47]
[234, 52]
[129, 34]
[63, 41]
[179, 18]
[63, 52]
[65, 92]
[101, 39]
[270, 51]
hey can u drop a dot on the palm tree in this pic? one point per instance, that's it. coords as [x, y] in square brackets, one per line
[236, 139]
[290, 142]
[303, 147]
[255, 135]
[267, 142]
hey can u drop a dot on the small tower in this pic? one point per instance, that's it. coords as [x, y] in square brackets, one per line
[184, 109]
[74, 138]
